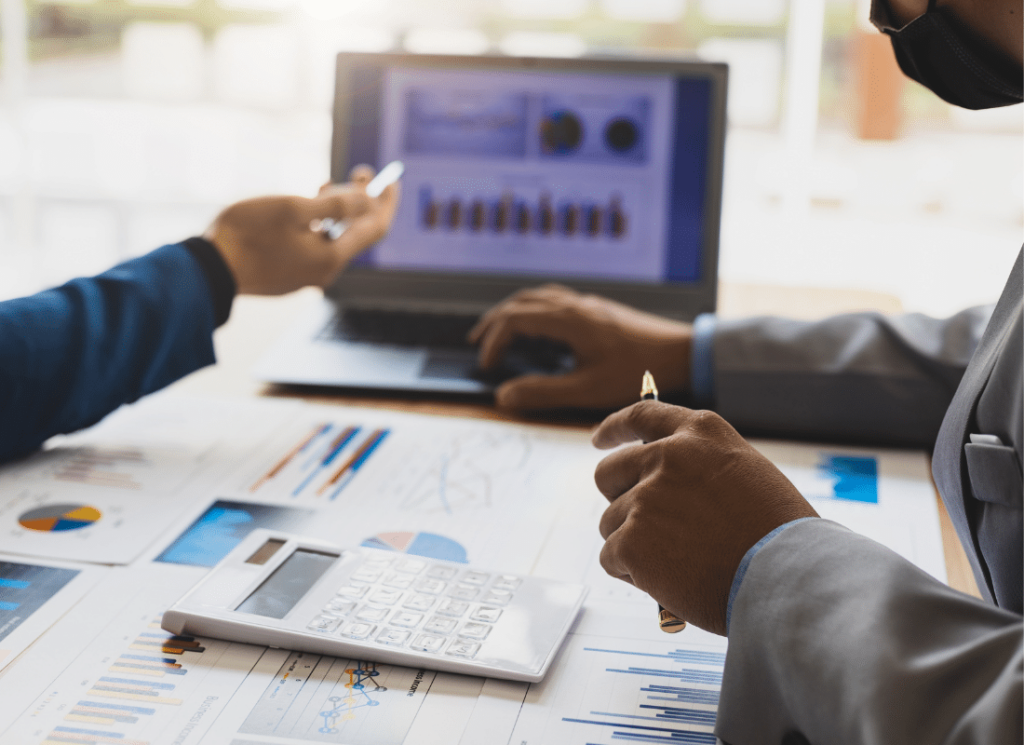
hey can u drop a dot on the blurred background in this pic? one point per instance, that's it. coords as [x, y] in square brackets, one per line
[127, 124]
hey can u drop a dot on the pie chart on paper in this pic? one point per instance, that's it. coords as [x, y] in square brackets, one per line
[55, 518]
[431, 545]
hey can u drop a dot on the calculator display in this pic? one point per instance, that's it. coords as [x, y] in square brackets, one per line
[289, 582]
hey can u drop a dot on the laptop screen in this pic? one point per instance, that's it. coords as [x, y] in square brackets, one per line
[571, 172]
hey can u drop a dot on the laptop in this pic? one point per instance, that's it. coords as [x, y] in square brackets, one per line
[600, 173]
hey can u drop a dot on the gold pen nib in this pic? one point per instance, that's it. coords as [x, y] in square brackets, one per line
[669, 623]
[648, 390]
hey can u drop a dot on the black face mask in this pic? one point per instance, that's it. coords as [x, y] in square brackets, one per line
[941, 54]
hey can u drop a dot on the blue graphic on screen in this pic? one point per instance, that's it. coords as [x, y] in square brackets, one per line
[547, 174]
[24, 588]
[671, 688]
[586, 128]
[855, 477]
[466, 124]
[226, 524]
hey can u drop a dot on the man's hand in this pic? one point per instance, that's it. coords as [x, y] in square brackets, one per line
[269, 247]
[686, 506]
[613, 344]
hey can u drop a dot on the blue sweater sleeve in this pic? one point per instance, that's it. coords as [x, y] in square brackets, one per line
[71, 355]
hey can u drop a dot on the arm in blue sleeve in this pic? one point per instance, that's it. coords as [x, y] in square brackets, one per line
[71, 355]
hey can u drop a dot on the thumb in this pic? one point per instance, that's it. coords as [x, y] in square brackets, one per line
[546, 392]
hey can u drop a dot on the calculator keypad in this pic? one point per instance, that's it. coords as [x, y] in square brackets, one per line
[417, 604]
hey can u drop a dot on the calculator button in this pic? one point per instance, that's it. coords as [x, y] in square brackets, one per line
[452, 608]
[410, 566]
[475, 578]
[358, 630]
[352, 591]
[385, 596]
[506, 582]
[367, 574]
[463, 648]
[433, 586]
[377, 562]
[428, 643]
[419, 601]
[324, 623]
[497, 597]
[442, 572]
[464, 592]
[398, 581]
[406, 620]
[369, 613]
[438, 625]
[340, 607]
[488, 615]
[392, 637]
[475, 630]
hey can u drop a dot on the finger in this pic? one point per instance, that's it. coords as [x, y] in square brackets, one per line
[646, 420]
[549, 293]
[523, 319]
[611, 559]
[531, 392]
[620, 471]
[343, 202]
[616, 514]
[362, 174]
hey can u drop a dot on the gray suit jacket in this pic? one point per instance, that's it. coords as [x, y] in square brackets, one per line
[833, 638]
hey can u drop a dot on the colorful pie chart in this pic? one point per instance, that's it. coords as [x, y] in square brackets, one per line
[431, 545]
[59, 517]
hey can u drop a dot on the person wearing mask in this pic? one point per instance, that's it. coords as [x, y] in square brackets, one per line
[71, 355]
[832, 637]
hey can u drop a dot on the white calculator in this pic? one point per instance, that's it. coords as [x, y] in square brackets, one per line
[297, 593]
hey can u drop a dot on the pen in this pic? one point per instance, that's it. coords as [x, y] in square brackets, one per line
[666, 619]
[389, 174]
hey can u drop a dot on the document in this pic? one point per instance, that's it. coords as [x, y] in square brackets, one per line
[93, 665]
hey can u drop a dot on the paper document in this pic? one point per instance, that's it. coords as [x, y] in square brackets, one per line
[172, 484]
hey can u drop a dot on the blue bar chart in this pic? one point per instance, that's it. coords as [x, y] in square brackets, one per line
[687, 701]
[322, 463]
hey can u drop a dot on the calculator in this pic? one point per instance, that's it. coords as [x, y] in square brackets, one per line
[291, 592]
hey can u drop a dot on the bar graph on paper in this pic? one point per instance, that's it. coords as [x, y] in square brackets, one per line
[322, 462]
[136, 685]
[610, 690]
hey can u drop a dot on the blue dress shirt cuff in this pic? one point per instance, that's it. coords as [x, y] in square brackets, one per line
[741, 571]
[702, 362]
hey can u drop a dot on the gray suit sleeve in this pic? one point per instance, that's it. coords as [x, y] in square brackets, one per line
[855, 377]
[838, 639]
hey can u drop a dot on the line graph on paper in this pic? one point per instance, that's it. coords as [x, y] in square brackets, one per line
[464, 472]
[331, 699]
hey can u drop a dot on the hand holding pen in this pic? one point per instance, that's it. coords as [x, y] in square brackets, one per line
[332, 229]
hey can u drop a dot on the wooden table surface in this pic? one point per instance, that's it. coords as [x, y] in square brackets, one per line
[256, 322]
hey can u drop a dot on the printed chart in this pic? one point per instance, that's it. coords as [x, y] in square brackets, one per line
[59, 517]
[322, 463]
[606, 690]
[224, 525]
[111, 675]
[886, 495]
[430, 545]
[330, 699]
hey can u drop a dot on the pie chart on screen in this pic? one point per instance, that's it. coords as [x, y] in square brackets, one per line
[59, 517]
[431, 545]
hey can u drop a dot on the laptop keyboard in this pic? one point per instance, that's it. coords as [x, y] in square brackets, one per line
[443, 331]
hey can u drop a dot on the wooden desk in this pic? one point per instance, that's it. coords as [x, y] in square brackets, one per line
[256, 322]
